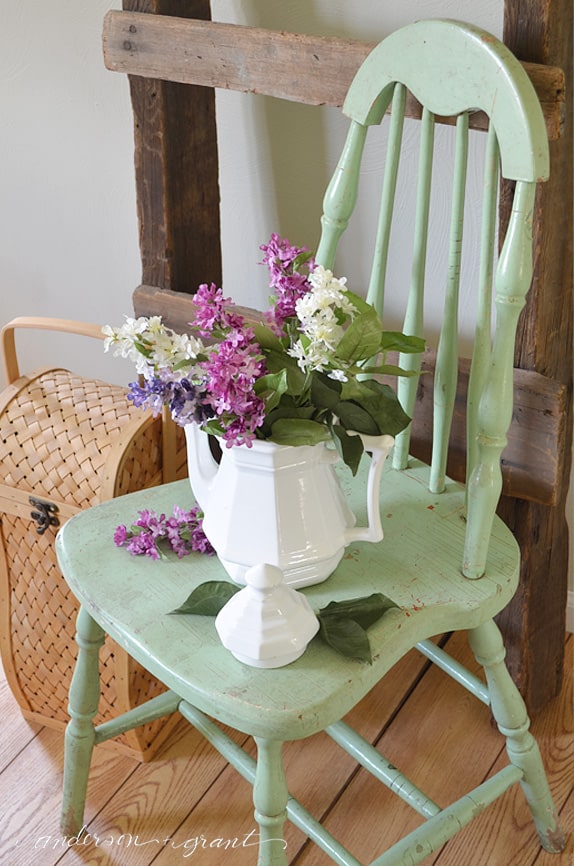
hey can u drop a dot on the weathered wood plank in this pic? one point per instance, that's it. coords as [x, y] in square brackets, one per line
[486, 837]
[541, 31]
[533, 460]
[316, 70]
[174, 131]
[17, 733]
[442, 715]
[29, 817]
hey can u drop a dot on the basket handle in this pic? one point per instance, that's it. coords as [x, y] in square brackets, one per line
[8, 343]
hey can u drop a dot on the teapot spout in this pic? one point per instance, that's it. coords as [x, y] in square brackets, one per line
[202, 466]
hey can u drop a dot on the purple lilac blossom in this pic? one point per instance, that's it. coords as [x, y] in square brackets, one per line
[279, 255]
[121, 535]
[188, 403]
[143, 544]
[289, 285]
[183, 532]
[213, 311]
[231, 372]
[151, 395]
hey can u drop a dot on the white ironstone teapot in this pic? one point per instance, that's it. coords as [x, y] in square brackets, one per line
[280, 504]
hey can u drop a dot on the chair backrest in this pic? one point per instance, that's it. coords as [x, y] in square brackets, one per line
[453, 70]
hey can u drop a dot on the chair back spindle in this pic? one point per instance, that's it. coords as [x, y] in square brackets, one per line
[414, 314]
[494, 411]
[446, 371]
[480, 74]
[482, 339]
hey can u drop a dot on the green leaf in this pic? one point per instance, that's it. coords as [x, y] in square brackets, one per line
[271, 388]
[347, 637]
[366, 610]
[395, 341]
[271, 382]
[213, 427]
[355, 417]
[287, 408]
[325, 392]
[266, 338]
[296, 379]
[356, 389]
[298, 431]
[379, 401]
[182, 365]
[360, 303]
[343, 624]
[383, 406]
[362, 339]
[301, 259]
[349, 447]
[208, 598]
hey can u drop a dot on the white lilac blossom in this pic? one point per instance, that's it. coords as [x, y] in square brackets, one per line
[323, 312]
[305, 372]
[151, 346]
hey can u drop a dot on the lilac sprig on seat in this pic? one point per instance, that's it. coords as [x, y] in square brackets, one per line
[182, 532]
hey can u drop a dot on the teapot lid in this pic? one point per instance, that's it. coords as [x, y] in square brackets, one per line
[267, 624]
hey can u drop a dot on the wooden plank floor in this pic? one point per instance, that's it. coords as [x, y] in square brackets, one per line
[188, 805]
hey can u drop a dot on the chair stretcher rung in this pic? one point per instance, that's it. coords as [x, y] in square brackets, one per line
[376, 764]
[246, 766]
[153, 709]
[436, 830]
[238, 757]
[412, 849]
[455, 670]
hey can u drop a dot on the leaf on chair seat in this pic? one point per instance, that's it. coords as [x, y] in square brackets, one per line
[347, 637]
[344, 624]
[208, 598]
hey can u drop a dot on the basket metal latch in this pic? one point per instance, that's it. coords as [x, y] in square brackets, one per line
[44, 516]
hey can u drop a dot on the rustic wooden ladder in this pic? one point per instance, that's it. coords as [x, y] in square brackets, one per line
[180, 244]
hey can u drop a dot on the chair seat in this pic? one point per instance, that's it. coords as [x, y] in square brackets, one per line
[131, 597]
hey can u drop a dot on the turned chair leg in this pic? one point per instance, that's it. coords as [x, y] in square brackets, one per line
[512, 719]
[270, 796]
[80, 732]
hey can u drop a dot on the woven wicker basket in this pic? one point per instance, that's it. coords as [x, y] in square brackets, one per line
[70, 442]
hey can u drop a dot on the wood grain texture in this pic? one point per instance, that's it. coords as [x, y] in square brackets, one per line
[211, 799]
[541, 31]
[316, 768]
[316, 70]
[505, 834]
[29, 835]
[532, 462]
[418, 749]
[174, 130]
[16, 731]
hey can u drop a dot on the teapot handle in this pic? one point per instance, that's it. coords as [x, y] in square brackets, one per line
[378, 447]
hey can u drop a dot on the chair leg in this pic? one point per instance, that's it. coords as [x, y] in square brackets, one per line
[512, 719]
[80, 731]
[270, 796]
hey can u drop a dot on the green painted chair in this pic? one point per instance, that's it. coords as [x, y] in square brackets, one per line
[447, 561]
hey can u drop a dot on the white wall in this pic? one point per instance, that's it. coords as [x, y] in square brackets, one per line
[69, 236]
